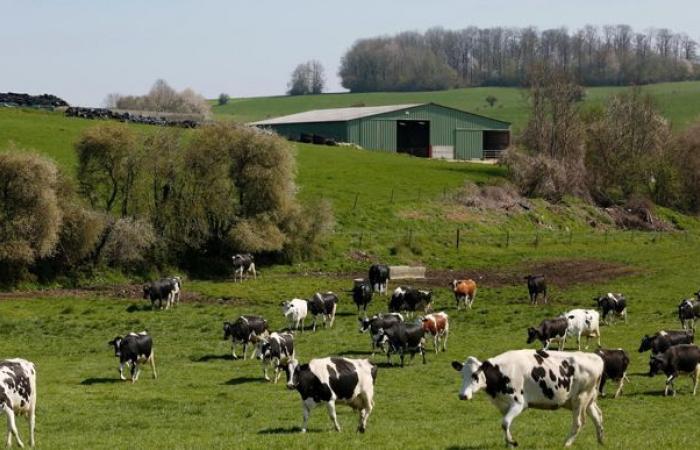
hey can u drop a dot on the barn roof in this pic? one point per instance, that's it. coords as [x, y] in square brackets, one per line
[335, 114]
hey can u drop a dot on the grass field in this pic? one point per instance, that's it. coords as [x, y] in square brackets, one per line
[680, 102]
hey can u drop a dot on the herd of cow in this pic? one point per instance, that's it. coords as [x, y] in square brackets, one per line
[515, 380]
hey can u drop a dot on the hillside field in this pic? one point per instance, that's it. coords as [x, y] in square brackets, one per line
[680, 102]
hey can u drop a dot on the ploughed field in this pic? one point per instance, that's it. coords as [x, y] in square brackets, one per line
[204, 399]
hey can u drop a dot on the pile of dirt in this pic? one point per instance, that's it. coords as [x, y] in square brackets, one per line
[637, 218]
[491, 197]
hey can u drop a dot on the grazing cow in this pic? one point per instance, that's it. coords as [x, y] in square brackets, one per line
[161, 291]
[663, 340]
[583, 322]
[243, 264]
[177, 290]
[521, 379]
[379, 278]
[401, 338]
[688, 312]
[465, 291]
[614, 303]
[536, 285]
[18, 396]
[408, 299]
[295, 312]
[362, 295]
[243, 330]
[615, 363]
[376, 323]
[549, 330]
[323, 303]
[276, 351]
[679, 359]
[437, 325]
[335, 380]
[133, 349]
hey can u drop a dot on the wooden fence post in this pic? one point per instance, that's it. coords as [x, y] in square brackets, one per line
[457, 242]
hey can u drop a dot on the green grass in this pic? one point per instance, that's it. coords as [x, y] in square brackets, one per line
[679, 102]
[204, 400]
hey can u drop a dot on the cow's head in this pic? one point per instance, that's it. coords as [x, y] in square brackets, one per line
[473, 379]
[532, 334]
[646, 343]
[598, 301]
[117, 344]
[685, 309]
[294, 371]
[365, 324]
[228, 330]
[286, 307]
[454, 284]
[656, 364]
[146, 291]
[262, 346]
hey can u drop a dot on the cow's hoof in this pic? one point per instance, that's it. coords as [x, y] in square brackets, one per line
[360, 429]
[512, 444]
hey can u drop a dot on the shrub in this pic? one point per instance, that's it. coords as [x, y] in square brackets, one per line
[127, 242]
[223, 99]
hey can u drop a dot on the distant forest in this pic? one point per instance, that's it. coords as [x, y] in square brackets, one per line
[443, 59]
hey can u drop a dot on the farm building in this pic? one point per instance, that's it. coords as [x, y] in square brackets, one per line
[425, 129]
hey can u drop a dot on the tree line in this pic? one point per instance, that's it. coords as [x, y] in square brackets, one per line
[499, 56]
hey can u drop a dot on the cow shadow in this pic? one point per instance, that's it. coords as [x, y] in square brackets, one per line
[91, 381]
[464, 447]
[652, 393]
[207, 358]
[136, 307]
[354, 352]
[345, 314]
[281, 430]
[244, 380]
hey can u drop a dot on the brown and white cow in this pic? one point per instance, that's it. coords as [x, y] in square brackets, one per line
[437, 325]
[465, 291]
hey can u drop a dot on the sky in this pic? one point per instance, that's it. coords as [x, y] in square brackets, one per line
[82, 50]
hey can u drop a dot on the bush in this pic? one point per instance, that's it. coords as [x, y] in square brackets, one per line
[223, 99]
[127, 242]
[163, 98]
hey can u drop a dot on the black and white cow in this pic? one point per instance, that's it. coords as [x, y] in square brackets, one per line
[335, 380]
[243, 330]
[325, 304]
[407, 299]
[176, 292]
[379, 278]
[614, 303]
[376, 323]
[583, 322]
[160, 291]
[276, 351]
[688, 313]
[663, 340]
[615, 366]
[401, 338]
[18, 396]
[679, 359]
[362, 295]
[521, 379]
[133, 349]
[243, 264]
[536, 285]
[549, 330]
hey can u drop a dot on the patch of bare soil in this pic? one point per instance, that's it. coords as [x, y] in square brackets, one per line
[132, 291]
[559, 273]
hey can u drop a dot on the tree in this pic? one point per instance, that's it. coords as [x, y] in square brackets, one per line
[307, 78]
[223, 99]
[491, 100]
[163, 98]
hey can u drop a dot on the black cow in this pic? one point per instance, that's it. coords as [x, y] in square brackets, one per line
[549, 330]
[688, 312]
[244, 330]
[376, 323]
[536, 285]
[133, 349]
[614, 303]
[276, 351]
[402, 338]
[323, 303]
[406, 298]
[677, 360]
[379, 277]
[349, 381]
[615, 362]
[663, 340]
[161, 290]
[362, 295]
[242, 264]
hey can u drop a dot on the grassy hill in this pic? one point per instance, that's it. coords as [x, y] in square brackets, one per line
[680, 102]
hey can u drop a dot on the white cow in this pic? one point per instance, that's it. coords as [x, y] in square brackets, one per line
[521, 379]
[583, 322]
[18, 396]
[295, 311]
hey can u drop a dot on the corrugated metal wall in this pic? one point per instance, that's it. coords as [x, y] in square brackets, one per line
[336, 130]
[469, 144]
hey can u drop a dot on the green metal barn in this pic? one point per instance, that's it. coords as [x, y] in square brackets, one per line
[424, 129]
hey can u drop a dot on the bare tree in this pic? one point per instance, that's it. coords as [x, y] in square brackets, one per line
[307, 78]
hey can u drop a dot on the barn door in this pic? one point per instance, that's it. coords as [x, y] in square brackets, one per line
[469, 144]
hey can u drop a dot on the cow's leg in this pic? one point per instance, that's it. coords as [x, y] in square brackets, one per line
[422, 353]
[314, 324]
[307, 405]
[364, 415]
[331, 413]
[597, 416]
[335, 307]
[11, 427]
[622, 383]
[252, 269]
[669, 382]
[121, 371]
[152, 360]
[546, 344]
[445, 335]
[32, 423]
[696, 376]
[513, 412]
[578, 341]
[577, 410]
[245, 349]
[233, 349]
[401, 355]
[135, 372]
[436, 342]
